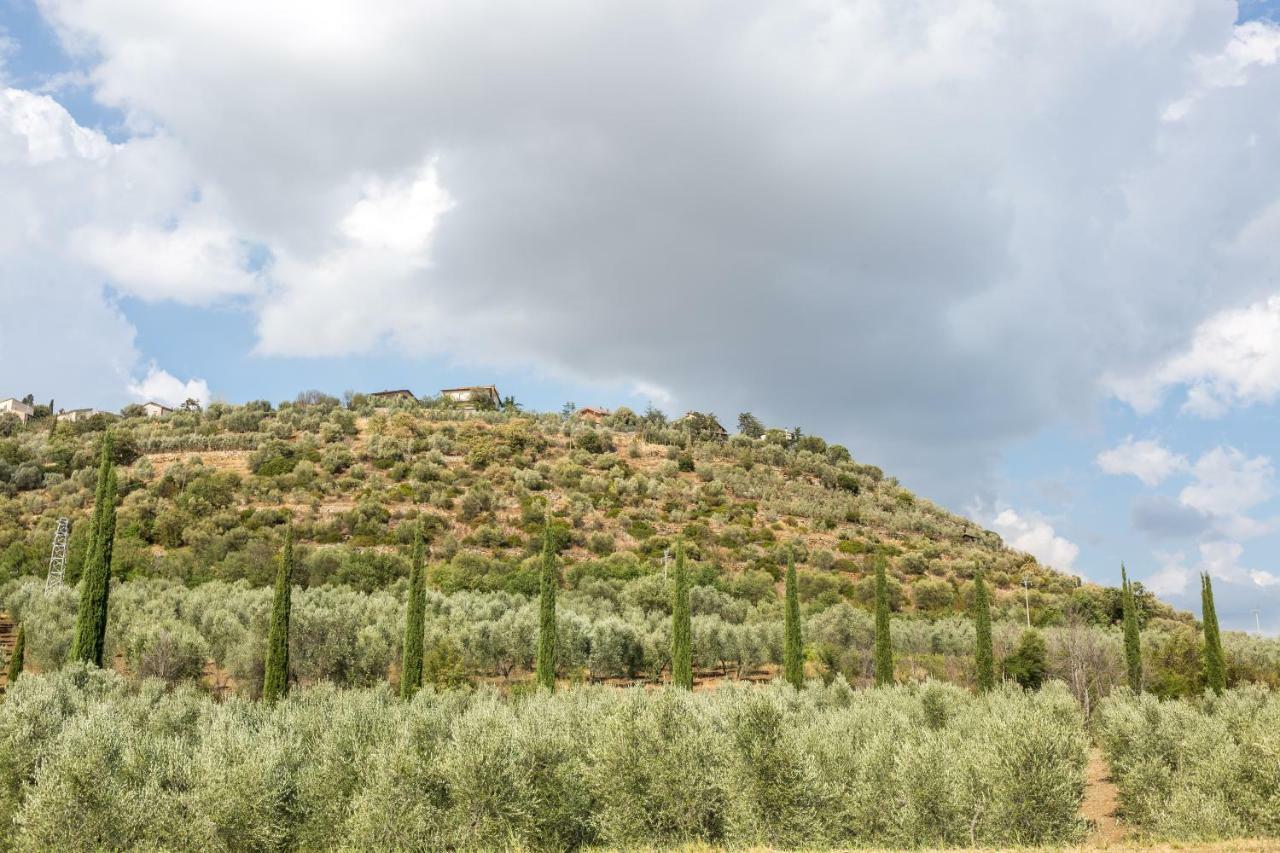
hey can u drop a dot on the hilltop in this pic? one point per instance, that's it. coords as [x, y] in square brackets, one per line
[207, 493]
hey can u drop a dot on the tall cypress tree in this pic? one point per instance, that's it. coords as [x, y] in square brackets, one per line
[1215, 664]
[884, 645]
[792, 637]
[275, 682]
[681, 627]
[15, 660]
[1132, 644]
[95, 582]
[983, 656]
[547, 584]
[411, 665]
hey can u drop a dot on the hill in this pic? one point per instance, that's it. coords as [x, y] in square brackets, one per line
[206, 494]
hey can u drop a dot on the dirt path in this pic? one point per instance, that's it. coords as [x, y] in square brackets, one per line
[1101, 801]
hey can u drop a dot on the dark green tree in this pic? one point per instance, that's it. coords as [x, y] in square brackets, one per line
[275, 682]
[792, 637]
[548, 582]
[15, 660]
[89, 642]
[1132, 643]
[1215, 664]
[1029, 662]
[411, 665]
[884, 643]
[983, 656]
[681, 626]
[749, 425]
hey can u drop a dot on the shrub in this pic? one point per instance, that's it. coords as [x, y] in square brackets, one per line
[89, 762]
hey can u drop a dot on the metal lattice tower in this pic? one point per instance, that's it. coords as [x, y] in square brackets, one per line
[58, 559]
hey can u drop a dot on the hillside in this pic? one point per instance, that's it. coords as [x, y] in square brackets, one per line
[205, 496]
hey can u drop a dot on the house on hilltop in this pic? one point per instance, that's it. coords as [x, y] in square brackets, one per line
[390, 396]
[473, 396]
[591, 413]
[17, 407]
[155, 410]
[75, 415]
[702, 425]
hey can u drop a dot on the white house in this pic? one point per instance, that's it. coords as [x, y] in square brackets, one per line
[155, 410]
[470, 395]
[16, 407]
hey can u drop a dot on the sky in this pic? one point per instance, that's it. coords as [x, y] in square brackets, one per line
[1023, 255]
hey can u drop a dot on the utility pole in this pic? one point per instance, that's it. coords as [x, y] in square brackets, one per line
[1026, 593]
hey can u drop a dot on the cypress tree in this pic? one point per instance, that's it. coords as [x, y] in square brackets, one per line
[95, 582]
[681, 628]
[884, 647]
[1215, 665]
[15, 661]
[1132, 644]
[275, 681]
[411, 665]
[792, 639]
[983, 655]
[547, 584]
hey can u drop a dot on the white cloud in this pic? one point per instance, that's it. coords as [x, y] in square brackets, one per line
[1037, 537]
[1233, 360]
[1254, 43]
[756, 222]
[1173, 576]
[162, 387]
[193, 264]
[1148, 460]
[398, 217]
[1228, 483]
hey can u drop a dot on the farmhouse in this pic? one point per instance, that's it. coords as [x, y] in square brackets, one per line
[155, 410]
[390, 396]
[73, 415]
[473, 396]
[702, 425]
[592, 413]
[16, 407]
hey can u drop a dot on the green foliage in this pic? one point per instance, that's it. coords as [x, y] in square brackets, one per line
[883, 643]
[17, 657]
[984, 659]
[681, 627]
[89, 762]
[1028, 663]
[1215, 665]
[793, 640]
[548, 583]
[1201, 770]
[1132, 645]
[275, 682]
[95, 583]
[414, 628]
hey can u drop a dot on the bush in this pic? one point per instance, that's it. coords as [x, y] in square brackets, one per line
[1196, 771]
[89, 762]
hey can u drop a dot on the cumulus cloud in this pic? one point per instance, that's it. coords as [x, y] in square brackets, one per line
[1037, 537]
[1148, 460]
[838, 214]
[1233, 360]
[161, 386]
[1228, 483]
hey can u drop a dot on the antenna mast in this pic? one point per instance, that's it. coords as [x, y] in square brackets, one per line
[58, 556]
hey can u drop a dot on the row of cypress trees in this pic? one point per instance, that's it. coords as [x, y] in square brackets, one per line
[89, 641]
[1215, 667]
